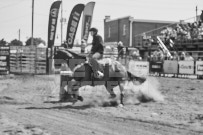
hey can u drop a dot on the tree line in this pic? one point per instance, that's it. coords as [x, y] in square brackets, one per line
[16, 42]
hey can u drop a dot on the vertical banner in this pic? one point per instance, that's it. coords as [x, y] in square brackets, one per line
[87, 20]
[73, 24]
[53, 16]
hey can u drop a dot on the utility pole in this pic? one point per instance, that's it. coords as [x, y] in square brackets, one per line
[61, 22]
[32, 21]
[19, 34]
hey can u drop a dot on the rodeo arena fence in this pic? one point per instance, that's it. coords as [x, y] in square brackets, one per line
[33, 60]
[22, 60]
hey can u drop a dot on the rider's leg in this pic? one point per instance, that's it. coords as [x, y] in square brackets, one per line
[95, 65]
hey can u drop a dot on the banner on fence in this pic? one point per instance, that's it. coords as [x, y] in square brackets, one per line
[186, 67]
[139, 68]
[170, 67]
[156, 66]
[199, 68]
[4, 59]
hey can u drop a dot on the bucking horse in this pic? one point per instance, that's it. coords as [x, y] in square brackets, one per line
[115, 74]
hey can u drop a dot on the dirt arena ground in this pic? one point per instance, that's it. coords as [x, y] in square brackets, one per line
[27, 107]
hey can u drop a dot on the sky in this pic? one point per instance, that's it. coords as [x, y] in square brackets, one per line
[16, 15]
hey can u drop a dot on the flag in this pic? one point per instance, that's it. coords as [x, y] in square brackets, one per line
[53, 16]
[87, 20]
[73, 24]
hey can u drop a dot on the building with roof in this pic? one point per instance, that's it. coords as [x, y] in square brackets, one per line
[131, 31]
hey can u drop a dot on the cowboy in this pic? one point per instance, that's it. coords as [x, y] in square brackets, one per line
[96, 53]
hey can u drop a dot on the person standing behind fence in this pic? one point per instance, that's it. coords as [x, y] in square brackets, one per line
[83, 45]
[136, 55]
[120, 50]
[182, 56]
[188, 57]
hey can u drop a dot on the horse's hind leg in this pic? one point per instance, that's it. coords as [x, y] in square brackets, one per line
[109, 88]
[121, 86]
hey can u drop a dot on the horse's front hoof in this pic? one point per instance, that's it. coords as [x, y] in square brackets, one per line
[120, 105]
[113, 95]
[80, 98]
[142, 80]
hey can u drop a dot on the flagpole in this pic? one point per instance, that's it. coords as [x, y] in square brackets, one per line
[61, 22]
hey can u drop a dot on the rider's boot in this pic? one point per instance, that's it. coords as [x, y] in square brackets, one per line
[80, 98]
[113, 95]
[99, 74]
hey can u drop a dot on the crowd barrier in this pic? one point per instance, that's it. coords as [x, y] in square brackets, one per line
[176, 68]
[167, 67]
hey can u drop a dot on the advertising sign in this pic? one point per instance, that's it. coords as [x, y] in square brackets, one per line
[139, 68]
[156, 66]
[53, 16]
[73, 23]
[170, 67]
[186, 67]
[199, 68]
[87, 20]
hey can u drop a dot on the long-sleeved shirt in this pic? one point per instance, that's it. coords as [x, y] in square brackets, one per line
[97, 44]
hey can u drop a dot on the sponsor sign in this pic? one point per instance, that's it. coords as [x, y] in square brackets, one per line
[156, 66]
[139, 68]
[170, 67]
[87, 20]
[186, 67]
[199, 68]
[87, 25]
[53, 16]
[73, 23]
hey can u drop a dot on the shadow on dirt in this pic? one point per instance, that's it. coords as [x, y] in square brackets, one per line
[77, 107]
[83, 107]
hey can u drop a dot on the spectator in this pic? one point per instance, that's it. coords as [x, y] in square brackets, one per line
[160, 55]
[136, 55]
[120, 50]
[188, 57]
[182, 56]
[175, 56]
[83, 45]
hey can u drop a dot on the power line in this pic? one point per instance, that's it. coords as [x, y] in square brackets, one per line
[5, 21]
[10, 5]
